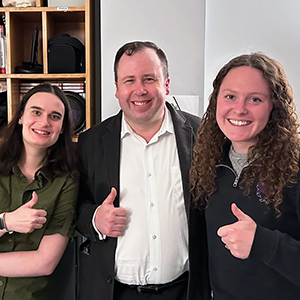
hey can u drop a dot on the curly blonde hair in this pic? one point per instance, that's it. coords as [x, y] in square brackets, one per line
[273, 160]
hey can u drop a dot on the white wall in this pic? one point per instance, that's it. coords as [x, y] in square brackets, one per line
[199, 37]
[234, 27]
[176, 26]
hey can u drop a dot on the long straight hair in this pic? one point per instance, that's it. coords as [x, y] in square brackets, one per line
[61, 156]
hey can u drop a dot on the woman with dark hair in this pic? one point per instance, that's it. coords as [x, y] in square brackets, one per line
[38, 191]
[245, 175]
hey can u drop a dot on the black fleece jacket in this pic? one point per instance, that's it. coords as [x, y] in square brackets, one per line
[272, 270]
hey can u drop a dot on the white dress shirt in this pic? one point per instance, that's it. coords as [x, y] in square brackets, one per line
[154, 246]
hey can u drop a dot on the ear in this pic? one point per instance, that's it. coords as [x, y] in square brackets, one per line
[117, 91]
[20, 121]
[167, 86]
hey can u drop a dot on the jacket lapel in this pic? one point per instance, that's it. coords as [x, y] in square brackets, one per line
[184, 140]
[111, 144]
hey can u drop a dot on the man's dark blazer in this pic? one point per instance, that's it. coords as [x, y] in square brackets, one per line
[99, 148]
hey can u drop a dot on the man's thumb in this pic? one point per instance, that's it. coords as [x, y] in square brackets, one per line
[32, 201]
[111, 197]
[241, 216]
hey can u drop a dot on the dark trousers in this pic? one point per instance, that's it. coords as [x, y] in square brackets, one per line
[175, 290]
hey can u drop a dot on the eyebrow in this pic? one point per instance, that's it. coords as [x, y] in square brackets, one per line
[127, 77]
[251, 93]
[133, 76]
[150, 74]
[39, 108]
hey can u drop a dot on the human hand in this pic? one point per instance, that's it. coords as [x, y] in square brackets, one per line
[111, 220]
[238, 237]
[26, 219]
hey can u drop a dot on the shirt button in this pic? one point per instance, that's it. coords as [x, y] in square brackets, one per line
[154, 236]
[151, 204]
[149, 174]
[154, 269]
[1, 282]
[109, 279]
[9, 240]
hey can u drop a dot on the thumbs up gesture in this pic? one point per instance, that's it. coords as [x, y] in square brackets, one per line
[26, 219]
[238, 237]
[111, 220]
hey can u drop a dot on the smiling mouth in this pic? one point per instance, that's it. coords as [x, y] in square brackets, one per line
[41, 132]
[140, 103]
[239, 123]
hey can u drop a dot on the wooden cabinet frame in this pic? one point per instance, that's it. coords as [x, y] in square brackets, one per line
[51, 21]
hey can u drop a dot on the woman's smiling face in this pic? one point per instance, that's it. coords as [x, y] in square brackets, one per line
[244, 106]
[42, 120]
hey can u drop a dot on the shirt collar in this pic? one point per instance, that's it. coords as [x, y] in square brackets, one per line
[44, 171]
[166, 126]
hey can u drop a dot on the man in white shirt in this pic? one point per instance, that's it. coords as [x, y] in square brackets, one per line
[134, 201]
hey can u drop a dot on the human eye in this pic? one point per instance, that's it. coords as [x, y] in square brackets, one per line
[55, 117]
[149, 79]
[36, 112]
[128, 81]
[230, 97]
[255, 99]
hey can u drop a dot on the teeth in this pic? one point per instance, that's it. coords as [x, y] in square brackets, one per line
[140, 103]
[239, 123]
[41, 132]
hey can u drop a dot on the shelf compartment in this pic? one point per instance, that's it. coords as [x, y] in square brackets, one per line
[19, 38]
[71, 22]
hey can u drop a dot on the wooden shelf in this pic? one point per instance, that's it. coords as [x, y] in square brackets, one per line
[50, 21]
[41, 9]
[46, 76]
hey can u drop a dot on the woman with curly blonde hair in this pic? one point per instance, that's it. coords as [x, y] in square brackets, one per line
[245, 175]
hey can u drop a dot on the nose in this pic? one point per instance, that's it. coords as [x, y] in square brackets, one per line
[44, 120]
[240, 107]
[139, 88]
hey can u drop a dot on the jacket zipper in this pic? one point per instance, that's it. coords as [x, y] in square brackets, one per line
[237, 177]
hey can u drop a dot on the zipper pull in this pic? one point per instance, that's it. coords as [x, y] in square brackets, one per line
[235, 183]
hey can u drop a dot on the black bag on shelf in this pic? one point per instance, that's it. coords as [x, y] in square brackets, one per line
[66, 54]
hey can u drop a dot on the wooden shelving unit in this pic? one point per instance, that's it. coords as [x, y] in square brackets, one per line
[50, 21]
